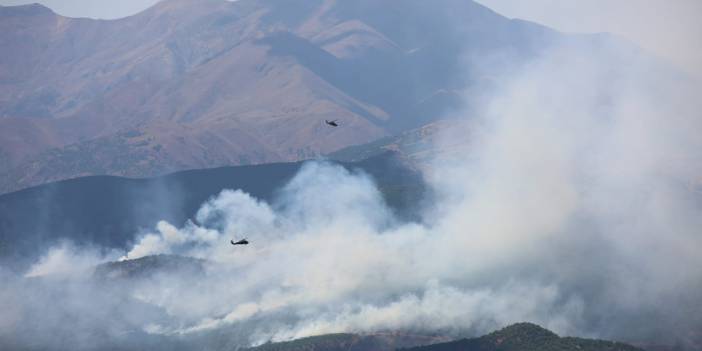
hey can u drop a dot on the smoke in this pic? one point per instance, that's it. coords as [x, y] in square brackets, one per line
[586, 162]
[575, 206]
[68, 260]
[335, 266]
[668, 29]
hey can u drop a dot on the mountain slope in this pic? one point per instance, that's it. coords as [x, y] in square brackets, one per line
[191, 84]
[526, 337]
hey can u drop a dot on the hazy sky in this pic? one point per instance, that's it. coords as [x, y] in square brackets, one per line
[670, 28]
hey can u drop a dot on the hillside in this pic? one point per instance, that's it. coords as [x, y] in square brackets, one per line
[193, 84]
[517, 337]
[526, 337]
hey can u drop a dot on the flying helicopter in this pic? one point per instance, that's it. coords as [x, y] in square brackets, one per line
[240, 242]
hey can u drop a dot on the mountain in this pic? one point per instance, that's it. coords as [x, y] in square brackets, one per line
[517, 337]
[526, 337]
[206, 83]
[521, 337]
[108, 211]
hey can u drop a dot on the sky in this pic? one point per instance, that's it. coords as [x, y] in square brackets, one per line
[669, 28]
[104, 9]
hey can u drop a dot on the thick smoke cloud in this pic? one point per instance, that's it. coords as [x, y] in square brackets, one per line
[585, 164]
[575, 206]
[328, 257]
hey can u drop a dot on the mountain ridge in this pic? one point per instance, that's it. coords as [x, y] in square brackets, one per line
[191, 84]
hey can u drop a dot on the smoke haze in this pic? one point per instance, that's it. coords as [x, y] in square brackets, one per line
[576, 206]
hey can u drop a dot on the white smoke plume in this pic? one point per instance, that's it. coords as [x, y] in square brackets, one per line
[341, 265]
[575, 207]
[68, 260]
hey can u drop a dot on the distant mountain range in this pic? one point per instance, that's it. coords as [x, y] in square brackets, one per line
[109, 211]
[191, 84]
